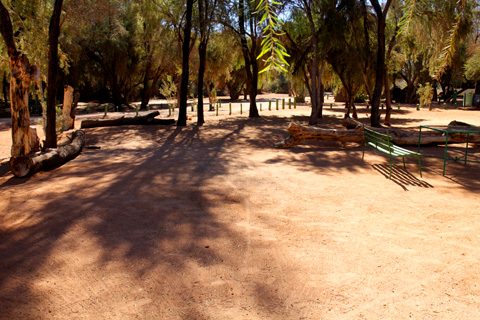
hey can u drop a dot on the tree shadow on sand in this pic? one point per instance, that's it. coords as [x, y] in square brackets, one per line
[130, 221]
[145, 208]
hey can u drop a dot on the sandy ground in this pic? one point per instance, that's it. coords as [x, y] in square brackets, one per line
[213, 222]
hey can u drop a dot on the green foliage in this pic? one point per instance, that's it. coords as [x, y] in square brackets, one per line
[169, 90]
[426, 94]
[276, 83]
[472, 67]
[272, 46]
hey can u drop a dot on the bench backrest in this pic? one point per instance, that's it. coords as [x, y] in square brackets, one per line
[383, 141]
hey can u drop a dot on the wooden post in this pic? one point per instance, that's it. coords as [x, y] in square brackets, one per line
[283, 104]
[230, 108]
[269, 105]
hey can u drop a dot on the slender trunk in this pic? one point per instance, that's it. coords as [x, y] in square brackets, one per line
[202, 52]
[377, 92]
[251, 73]
[379, 74]
[53, 34]
[314, 70]
[182, 111]
[321, 102]
[388, 99]
[146, 88]
[5, 89]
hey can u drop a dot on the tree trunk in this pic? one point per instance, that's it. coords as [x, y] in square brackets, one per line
[146, 90]
[379, 74]
[299, 134]
[67, 106]
[24, 166]
[24, 138]
[182, 111]
[53, 34]
[5, 89]
[250, 65]
[202, 53]
[73, 111]
[388, 99]
[314, 70]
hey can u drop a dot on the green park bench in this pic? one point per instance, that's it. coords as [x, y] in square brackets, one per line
[383, 143]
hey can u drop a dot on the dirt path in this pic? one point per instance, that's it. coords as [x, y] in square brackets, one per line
[213, 222]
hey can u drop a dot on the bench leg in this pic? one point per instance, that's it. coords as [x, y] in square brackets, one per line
[391, 165]
[420, 167]
[403, 158]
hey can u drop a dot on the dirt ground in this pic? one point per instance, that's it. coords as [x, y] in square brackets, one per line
[213, 222]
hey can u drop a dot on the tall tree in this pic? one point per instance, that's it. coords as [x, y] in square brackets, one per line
[206, 10]
[21, 75]
[182, 112]
[153, 34]
[381, 15]
[249, 53]
[53, 34]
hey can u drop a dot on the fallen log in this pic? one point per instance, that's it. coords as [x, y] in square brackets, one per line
[27, 165]
[300, 133]
[123, 121]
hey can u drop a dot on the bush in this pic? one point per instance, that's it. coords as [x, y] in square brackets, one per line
[426, 94]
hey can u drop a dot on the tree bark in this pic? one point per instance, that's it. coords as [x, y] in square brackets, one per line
[24, 138]
[379, 74]
[5, 89]
[53, 34]
[122, 121]
[388, 99]
[146, 79]
[73, 111]
[202, 53]
[182, 111]
[315, 77]
[67, 106]
[300, 133]
[251, 67]
[24, 166]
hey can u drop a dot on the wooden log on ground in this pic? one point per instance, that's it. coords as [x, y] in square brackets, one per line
[27, 165]
[300, 133]
[122, 121]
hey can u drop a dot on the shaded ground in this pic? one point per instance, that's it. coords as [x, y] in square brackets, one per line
[213, 222]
